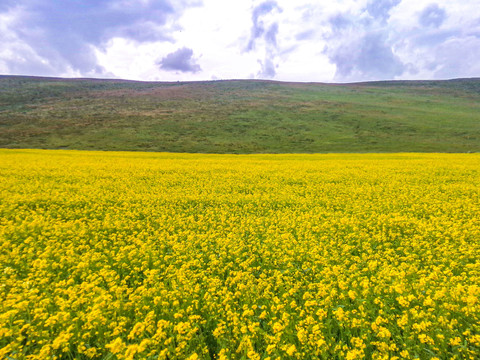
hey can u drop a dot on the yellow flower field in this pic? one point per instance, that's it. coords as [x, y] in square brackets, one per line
[177, 256]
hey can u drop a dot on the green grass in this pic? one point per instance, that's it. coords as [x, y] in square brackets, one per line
[240, 116]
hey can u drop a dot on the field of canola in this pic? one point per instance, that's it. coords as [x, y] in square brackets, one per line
[176, 256]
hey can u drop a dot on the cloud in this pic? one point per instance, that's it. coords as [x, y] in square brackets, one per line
[339, 22]
[433, 16]
[391, 39]
[305, 35]
[267, 68]
[361, 45]
[271, 35]
[341, 40]
[439, 53]
[369, 57]
[180, 60]
[7, 4]
[380, 9]
[259, 27]
[458, 57]
[265, 30]
[65, 34]
[434, 38]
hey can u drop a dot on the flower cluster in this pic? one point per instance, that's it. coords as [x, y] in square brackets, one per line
[164, 256]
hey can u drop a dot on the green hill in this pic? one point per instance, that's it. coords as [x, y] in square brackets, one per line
[240, 116]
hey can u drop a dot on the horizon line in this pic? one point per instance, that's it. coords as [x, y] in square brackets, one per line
[232, 79]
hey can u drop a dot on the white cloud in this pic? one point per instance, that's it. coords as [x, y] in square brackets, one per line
[377, 39]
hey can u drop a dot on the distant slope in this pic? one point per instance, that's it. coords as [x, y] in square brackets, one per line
[240, 116]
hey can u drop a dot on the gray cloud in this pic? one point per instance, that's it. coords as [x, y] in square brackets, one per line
[380, 9]
[432, 15]
[445, 53]
[267, 32]
[271, 35]
[439, 49]
[258, 26]
[368, 46]
[305, 35]
[65, 33]
[180, 60]
[339, 22]
[267, 68]
[7, 4]
[367, 58]
[434, 38]
[361, 45]
[458, 58]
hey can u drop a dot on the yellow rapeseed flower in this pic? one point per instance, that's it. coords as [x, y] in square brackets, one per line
[155, 255]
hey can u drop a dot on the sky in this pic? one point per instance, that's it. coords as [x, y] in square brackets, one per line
[286, 40]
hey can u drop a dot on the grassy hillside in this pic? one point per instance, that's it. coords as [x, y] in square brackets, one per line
[241, 116]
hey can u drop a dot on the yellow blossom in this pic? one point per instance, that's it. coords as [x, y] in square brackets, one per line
[291, 350]
[116, 346]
